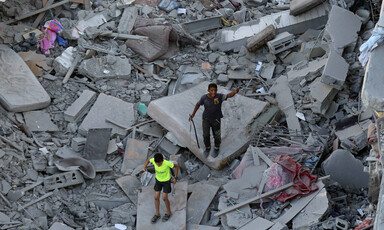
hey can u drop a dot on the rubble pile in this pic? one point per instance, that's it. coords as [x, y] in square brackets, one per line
[91, 89]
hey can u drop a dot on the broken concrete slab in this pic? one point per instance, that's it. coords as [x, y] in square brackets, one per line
[146, 208]
[127, 20]
[77, 163]
[39, 121]
[60, 226]
[335, 71]
[131, 185]
[342, 161]
[313, 212]
[108, 107]
[201, 227]
[321, 96]
[106, 67]
[236, 36]
[199, 202]
[168, 147]
[136, 153]
[15, 78]
[203, 24]
[96, 147]
[238, 112]
[304, 70]
[233, 220]
[77, 110]
[353, 138]
[261, 223]
[268, 70]
[341, 29]
[241, 74]
[297, 7]
[286, 103]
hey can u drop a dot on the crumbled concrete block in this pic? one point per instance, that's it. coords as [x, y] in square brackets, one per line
[60, 226]
[20, 90]
[39, 121]
[168, 147]
[313, 49]
[199, 202]
[127, 20]
[62, 63]
[63, 180]
[321, 96]
[268, 70]
[335, 71]
[239, 75]
[281, 42]
[297, 7]
[77, 110]
[78, 143]
[304, 70]
[203, 24]
[353, 138]
[236, 36]
[223, 78]
[108, 107]
[201, 174]
[342, 161]
[238, 112]
[341, 29]
[279, 226]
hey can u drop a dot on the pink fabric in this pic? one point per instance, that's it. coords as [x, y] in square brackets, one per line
[48, 41]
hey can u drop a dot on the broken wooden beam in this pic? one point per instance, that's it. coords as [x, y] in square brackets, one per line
[72, 68]
[35, 12]
[41, 15]
[110, 34]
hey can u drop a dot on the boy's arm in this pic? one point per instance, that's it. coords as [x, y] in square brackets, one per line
[145, 165]
[233, 93]
[176, 172]
[197, 106]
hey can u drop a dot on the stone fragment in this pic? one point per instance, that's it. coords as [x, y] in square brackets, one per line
[201, 227]
[341, 29]
[297, 7]
[201, 174]
[335, 71]
[130, 185]
[353, 138]
[20, 90]
[39, 121]
[203, 24]
[78, 143]
[127, 20]
[281, 42]
[63, 62]
[342, 161]
[223, 78]
[199, 202]
[60, 226]
[322, 96]
[238, 112]
[77, 110]
[108, 107]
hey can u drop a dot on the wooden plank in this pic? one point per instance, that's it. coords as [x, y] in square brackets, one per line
[263, 156]
[72, 68]
[199, 202]
[242, 204]
[41, 15]
[298, 205]
[35, 12]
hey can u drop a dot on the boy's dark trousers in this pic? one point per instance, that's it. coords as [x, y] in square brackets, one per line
[215, 126]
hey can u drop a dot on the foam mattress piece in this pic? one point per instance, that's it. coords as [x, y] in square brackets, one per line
[20, 91]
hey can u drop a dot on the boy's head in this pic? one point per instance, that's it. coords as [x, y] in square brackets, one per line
[159, 159]
[212, 90]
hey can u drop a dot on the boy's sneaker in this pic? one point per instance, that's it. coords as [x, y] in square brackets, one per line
[215, 152]
[206, 152]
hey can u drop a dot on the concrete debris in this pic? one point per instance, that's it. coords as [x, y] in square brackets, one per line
[342, 161]
[116, 87]
[234, 37]
[174, 106]
[13, 95]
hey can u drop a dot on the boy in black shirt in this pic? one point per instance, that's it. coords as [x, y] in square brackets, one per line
[212, 115]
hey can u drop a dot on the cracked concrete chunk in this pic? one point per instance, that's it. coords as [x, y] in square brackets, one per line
[77, 110]
[60, 226]
[300, 6]
[335, 71]
[97, 68]
[322, 96]
[341, 29]
[239, 111]
[112, 108]
[39, 121]
[342, 161]
[20, 90]
[199, 202]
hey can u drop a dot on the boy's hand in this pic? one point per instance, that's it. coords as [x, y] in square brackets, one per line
[142, 170]
[174, 180]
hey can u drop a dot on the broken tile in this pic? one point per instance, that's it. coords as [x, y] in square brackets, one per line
[39, 121]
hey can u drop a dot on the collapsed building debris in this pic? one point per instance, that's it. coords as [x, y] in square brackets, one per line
[115, 85]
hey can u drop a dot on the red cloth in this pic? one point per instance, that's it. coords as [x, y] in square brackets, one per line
[304, 182]
[364, 224]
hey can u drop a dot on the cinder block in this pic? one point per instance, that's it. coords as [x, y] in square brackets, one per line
[335, 71]
[78, 109]
[63, 180]
[78, 143]
[322, 96]
[281, 42]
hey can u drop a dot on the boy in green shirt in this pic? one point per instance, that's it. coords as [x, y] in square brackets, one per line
[163, 181]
